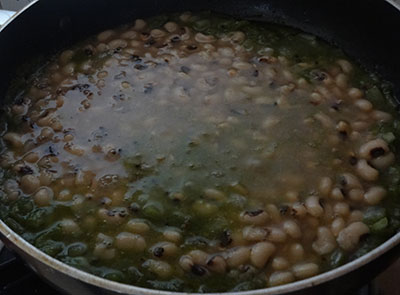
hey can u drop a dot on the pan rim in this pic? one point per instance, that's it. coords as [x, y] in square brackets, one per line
[91, 279]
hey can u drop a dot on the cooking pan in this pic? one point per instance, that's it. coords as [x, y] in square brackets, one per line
[367, 30]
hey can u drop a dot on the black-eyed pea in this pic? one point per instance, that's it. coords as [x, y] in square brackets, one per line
[185, 16]
[374, 195]
[280, 278]
[305, 270]
[316, 98]
[325, 120]
[77, 202]
[31, 157]
[111, 216]
[164, 249]
[313, 206]
[356, 194]
[74, 150]
[237, 238]
[237, 37]
[29, 145]
[298, 210]
[359, 126]
[46, 134]
[341, 81]
[29, 183]
[276, 235]
[240, 65]
[69, 227]
[337, 225]
[43, 196]
[172, 235]
[312, 222]
[261, 253]
[280, 263]
[68, 180]
[105, 36]
[355, 135]
[204, 208]
[349, 237]
[84, 178]
[103, 252]
[65, 57]
[68, 70]
[336, 90]
[117, 43]
[11, 188]
[292, 229]
[68, 137]
[355, 93]
[171, 27]
[198, 257]
[161, 268]
[373, 149]
[349, 181]
[325, 242]
[237, 256]
[7, 159]
[302, 83]
[383, 162]
[14, 139]
[252, 234]
[337, 194]
[45, 178]
[137, 226]
[325, 186]
[381, 116]
[226, 52]
[273, 212]
[342, 209]
[345, 66]
[186, 263]
[129, 35]
[157, 33]
[126, 241]
[216, 263]
[365, 171]
[355, 215]
[296, 252]
[201, 38]
[140, 24]
[135, 43]
[240, 189]
[255, 217]
[292, 196]
[252, 90]
[364, 105]
[328, 213]
[214, 194]
[20, 166]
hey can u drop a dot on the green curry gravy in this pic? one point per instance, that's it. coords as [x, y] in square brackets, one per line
[201, 153]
